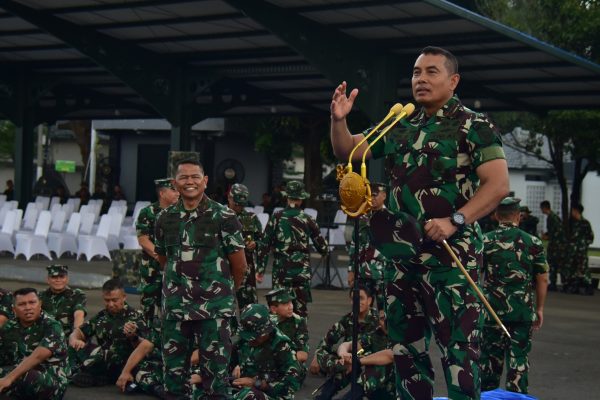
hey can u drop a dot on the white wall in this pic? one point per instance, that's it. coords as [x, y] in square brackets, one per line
[589, 198]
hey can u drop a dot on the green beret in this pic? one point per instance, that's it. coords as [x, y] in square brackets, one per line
[164, 183]
[279, 296]
[57, 270]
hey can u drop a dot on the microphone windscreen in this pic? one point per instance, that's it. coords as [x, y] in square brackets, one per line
[396, 109]
[409, 109]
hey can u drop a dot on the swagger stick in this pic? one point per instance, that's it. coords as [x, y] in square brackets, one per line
[476, 288]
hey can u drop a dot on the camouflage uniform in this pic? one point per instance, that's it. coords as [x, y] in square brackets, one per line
[47, 380]
[149, 372]
[529, 223]
[198, 290]
[288, 233]
[109, 356]
[272, 362]
[378, 381]
[6, 304]
[61, 306]
[327, 357]
[371, 262]
[431, 163]
[556, 246]
[512, 258]
[150, 271]
[582, 237]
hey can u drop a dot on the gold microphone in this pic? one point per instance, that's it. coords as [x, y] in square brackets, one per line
[406, 111]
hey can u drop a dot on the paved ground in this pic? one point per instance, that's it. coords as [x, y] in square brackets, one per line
[564, 358]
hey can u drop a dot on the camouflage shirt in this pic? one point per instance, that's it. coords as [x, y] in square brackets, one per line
[582, 235]
[431, 163]
[108, 330]
[555, 229]
[512, 258]
[251, 229]
[371, 261]
[288, 233]
[273, 362]
[145, 223]
[61, 306]
[6, 303]
[294, 328]
[197, 280]
[18, 342]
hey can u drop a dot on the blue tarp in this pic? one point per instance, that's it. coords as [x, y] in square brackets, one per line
[499, 394]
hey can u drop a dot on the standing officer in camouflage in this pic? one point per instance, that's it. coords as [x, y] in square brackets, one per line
[582, 237]
[33, 351]
[62, 303]
[6, 305]
[150, 270]
[288, 234]
[252, 233]
[199, 242]
[447, 169]
[115, 329]
[267, 368]
[555, 234]
[528, 222]
[371, 261]
[513, 260]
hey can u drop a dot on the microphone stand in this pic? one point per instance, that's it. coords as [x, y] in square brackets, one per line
[355, 311]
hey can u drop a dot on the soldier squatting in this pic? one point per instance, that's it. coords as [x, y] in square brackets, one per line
[445, 170]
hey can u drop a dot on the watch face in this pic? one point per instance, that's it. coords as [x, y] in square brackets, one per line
[458, 218]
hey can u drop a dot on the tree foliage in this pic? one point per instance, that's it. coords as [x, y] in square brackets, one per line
[7, 139]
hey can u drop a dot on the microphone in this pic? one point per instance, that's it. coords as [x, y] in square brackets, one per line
[395, 110]
[406, 111]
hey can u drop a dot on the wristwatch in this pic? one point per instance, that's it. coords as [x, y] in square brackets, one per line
[458, 219]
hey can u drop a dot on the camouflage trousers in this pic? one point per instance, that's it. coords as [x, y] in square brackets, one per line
[95, 360]
[148, 374]
[378, 382]
[578, 268]
[302, 294]
[420, 298]
[496, 348]
[554, 259]
[150, 288]
[213, 337]
[37, 383]
[251, 394]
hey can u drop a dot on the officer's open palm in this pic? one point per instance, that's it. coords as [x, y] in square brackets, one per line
[341, 104]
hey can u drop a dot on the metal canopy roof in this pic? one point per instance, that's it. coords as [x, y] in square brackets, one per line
[108, 58]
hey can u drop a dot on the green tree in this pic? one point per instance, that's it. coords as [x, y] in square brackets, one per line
[7, 139]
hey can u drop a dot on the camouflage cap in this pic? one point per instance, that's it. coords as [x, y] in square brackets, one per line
[57, 270]
[255, 322]
[240, 194]
[509, 204]
[377, 187]
[397, 235]
[164, 183]
[279, 296]
[295, 190]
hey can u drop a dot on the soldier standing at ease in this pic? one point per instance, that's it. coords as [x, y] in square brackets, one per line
[514, 262]
[150, 270]
[555, 235]
[33, 351]
[528, 222]
[199, 242]
[6, 305]
[62, 303]
[115, 329]
[371, 262]
[287, 234]
[252, 233]
[581, 238]
[266, 367]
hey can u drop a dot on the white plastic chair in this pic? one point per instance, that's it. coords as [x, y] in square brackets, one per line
[54, 208]
[3, 212]
[18, 218]
[311, 211]
[116, 219]
[58, 221]
[250, 209]
[29, 244]
[259, 209]
[42, 202]
[76, 202]
[136, 210]
[87, 223]
[2, 199]
[130, 242]
[68, 208]
[276, 209]
[264, 219]
[60, 243]
[54, 200]
[92, 246]
[6, 234]
[30, 218]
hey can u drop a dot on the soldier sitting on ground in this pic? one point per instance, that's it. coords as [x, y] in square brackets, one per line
[33, 351]
[6, 305]
[267, 368]
[326, 360]
[290, 324]
[115, 329]
[62, 303]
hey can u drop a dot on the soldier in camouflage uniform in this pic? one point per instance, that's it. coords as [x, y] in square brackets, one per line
[513, 261]
[287, 234]
[33, 351]
[290, 324]
[556, 247]
[371, 261]
[326, 360]
[377, 381]
[150, 271]
[194, 240]
[528, 222]
[578, 275]
[266, 367]
[6, 304]
[447, 169]
[62, 303]
[252, 233]
[115, 329]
